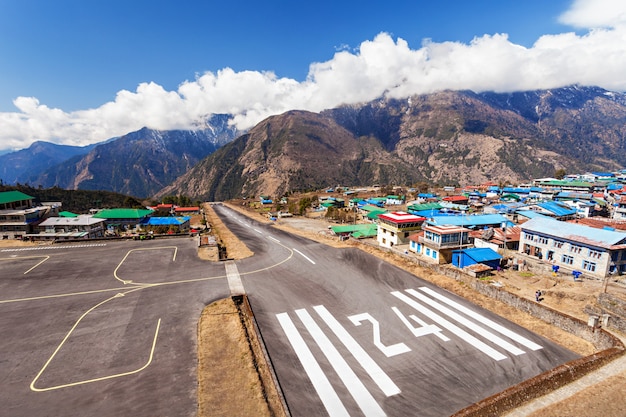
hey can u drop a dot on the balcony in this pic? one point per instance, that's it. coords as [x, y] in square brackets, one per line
[443, 245]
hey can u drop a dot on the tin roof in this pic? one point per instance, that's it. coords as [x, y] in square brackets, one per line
[586, 235]
[401, 217]
[11, 196]
[122, 213]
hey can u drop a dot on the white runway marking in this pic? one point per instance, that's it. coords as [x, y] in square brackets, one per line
[373, 370]
[495, 326]
[483, 347]
[274, 239]
[361, 395]
[324, 389]
[91, 245]
[234, 280]
[469, 324]
[304, 256]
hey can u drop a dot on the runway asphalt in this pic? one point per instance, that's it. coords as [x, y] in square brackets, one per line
[109, 330]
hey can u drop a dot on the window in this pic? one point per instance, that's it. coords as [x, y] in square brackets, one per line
[542, 240]
[595, 254]
[589, 266]
[427, 251]
[529, 236]
[575, 248]
[557, 243]
[567, 260]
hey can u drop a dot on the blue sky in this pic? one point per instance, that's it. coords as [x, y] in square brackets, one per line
[81, 71]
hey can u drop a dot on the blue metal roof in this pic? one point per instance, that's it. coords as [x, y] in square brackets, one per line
[482, 254]
[516, 190]
[166, 221]
[574, 232]
[531, 214]
[558, 209]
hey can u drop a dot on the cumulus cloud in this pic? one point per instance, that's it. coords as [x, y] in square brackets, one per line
[379, 67]
[595, 14]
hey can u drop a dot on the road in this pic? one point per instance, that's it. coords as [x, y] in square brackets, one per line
[109, 329]
[349, 334]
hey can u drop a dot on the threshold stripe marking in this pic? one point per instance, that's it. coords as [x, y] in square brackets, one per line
[483, 347]
[469, 324]
[361, 395]
[324, 389]
[379, 376]
[495, 326]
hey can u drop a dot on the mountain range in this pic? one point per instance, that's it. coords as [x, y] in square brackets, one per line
[21, 166]
[139, 163]
[444, 138]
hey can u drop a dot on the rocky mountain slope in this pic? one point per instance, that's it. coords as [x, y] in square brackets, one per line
[447, 138]
[139, 163]
[20, 166]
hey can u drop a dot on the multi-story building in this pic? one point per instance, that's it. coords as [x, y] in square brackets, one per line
[66, 228]
[395, 228]
[619, 213]
[574, 247]
[436, 243]
[18, 215]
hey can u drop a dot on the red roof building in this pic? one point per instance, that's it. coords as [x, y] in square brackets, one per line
[395, 228]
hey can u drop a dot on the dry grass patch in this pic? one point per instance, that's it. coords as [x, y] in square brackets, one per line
[234, 247]
[228, 383]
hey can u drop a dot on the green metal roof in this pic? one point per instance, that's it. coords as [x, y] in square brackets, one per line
[11, 196]
[356, 230]
[373, 215]
[568, 183]
[424, 207]
[67, 214]
[122, 213]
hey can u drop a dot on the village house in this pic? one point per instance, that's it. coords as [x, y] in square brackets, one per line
[436, 243]
[574, 247]
[394, 228]
[69, 228]
[123, 218]
[497, 239]
[18, 215]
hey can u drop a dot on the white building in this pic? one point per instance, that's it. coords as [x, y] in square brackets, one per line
[574, 247]
[395, 228]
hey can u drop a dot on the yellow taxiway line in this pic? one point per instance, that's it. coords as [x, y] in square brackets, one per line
[45, 258]
[87, 381]
[126, 282]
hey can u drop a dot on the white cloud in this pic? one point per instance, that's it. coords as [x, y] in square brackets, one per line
[595, 14]
[382, 66]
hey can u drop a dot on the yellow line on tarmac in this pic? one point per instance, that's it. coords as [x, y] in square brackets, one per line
[38, 263]
[104, 378]
[43, 297]
[46, 257]
[126, 282]
[191, 280]
[118, 295]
